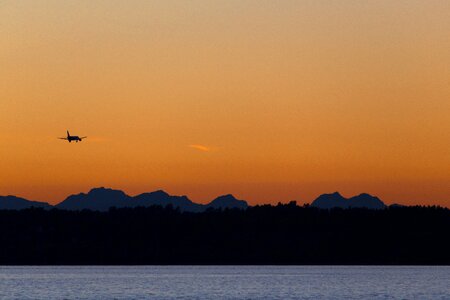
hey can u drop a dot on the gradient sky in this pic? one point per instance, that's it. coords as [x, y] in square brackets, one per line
[268, 100]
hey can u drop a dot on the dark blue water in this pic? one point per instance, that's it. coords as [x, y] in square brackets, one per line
[225, 282]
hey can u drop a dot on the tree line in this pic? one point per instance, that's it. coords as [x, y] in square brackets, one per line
[281, 234]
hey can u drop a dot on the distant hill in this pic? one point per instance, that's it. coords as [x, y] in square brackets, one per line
[97, 199]
[13, 202]
[336, 200]
[103, 198]
[366, 201]
[227, 201]
[163, 199]
[327, 201]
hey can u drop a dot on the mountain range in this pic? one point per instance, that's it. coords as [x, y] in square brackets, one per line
[328, 201]
[101, 199]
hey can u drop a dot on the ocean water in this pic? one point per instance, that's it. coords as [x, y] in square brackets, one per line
[224, 282]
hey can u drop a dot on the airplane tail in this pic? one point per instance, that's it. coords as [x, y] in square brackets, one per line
[68, 134]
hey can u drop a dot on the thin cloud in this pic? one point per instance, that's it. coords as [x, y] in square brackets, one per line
[200, 147]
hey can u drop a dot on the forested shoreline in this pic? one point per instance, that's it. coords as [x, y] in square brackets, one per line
[282, 234]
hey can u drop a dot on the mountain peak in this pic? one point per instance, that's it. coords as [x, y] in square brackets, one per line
[364, 200]
[100, 198]
[103, 191]
[364, 195]
[328, 201]
[160, 193]
[367, 201]
[335, 194]
[228, 201]
[226, 197]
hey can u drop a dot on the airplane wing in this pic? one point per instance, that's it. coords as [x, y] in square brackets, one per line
[63, 138]
[83, 137]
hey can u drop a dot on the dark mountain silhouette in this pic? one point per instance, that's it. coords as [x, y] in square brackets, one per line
[97, 199]
[365, 201]
[336, 200]
[102, 199]
[163, 199]
[13, 202]
[228, 201]
[327, 201]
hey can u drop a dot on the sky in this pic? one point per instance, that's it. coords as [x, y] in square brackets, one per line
[271, 101]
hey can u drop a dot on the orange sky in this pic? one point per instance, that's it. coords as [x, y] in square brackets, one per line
[268, 100]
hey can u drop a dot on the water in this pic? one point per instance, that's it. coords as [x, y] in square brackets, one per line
[224, 282]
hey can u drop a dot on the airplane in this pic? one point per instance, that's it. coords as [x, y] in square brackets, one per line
[71, 138]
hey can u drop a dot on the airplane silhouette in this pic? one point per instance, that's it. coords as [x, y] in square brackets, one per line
[71, 138]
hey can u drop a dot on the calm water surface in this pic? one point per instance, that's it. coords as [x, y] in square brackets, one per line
[225, 282]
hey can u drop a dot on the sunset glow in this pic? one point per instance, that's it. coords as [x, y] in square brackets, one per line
[268, 100]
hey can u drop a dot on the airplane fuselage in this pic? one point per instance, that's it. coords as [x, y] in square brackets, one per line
[75, 138]
[71, 138]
